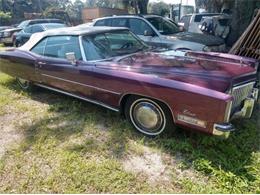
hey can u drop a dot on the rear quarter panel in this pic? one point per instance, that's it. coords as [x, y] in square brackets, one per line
[18, 64]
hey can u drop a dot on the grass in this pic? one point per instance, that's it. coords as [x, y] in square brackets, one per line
[65, 145]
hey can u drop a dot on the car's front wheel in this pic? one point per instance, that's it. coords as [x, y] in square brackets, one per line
[24, 84]
[148, 116]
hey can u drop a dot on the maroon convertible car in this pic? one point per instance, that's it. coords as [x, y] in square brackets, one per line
[154, 89]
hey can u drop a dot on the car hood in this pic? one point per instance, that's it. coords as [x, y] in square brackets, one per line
[12, 30]
[209, 70]
[207, 40]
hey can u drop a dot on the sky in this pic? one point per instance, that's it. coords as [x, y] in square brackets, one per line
[184, 2]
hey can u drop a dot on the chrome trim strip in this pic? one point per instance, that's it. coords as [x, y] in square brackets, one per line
[82, 49]
[79, 97]
[240, 86]
[245, 82]
[74, 82]
[124, 94]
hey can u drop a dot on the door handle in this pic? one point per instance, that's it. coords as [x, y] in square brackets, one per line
[41, 64]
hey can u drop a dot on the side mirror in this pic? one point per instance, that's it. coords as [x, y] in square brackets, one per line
[149, 33]
[71, 57]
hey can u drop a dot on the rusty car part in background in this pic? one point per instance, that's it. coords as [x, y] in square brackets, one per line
[248, 44]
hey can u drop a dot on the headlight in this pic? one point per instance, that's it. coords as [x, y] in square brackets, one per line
[7, 34]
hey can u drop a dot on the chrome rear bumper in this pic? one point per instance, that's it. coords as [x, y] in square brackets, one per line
[223, 130]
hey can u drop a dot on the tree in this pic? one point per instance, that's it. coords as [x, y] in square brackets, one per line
[159, 8]
[5, 18]
[140, 6]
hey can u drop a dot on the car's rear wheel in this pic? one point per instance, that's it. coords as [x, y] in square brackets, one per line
[148, 116]
[24, 84]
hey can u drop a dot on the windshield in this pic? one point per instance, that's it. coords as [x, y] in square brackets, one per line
[164, 26]
[23, 24]
[111, 44]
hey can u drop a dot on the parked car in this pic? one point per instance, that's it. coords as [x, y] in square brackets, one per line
[8, 34]
[154, 89]
[4, 27]
[219, 26]
[192, 22]
[1, 29]
[24, 35]
[161, 32]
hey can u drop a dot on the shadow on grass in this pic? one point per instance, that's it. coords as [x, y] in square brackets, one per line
[209, 155]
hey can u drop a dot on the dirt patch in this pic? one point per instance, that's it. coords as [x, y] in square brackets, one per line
[149, 163]
[10, 136]
[159, 167]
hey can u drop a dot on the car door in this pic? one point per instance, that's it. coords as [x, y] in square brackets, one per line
[57, 72]
[144, 32]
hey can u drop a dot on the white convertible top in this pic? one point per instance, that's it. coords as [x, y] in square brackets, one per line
[74, 31]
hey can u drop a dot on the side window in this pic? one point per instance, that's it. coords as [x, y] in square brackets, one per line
[119, 22]
[36, 28]
[58, 46]
[105, 22]
[28, 29]
[138, 26]
[39, 48]
[100, 23]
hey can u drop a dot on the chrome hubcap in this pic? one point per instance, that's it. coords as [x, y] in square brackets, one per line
[147, 117]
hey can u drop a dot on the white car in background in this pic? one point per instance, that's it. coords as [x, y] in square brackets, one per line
[157, 31]
[192, 22]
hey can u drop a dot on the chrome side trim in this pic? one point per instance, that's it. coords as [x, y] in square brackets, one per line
[123, 95]
[77, 83]
[79, 97]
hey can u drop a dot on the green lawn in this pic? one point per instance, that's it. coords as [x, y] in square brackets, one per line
[56, 144]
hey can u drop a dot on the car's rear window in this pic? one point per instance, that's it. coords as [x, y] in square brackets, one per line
[199, 17]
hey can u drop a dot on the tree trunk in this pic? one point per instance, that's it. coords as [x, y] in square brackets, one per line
[243, 11]
[142, 5]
